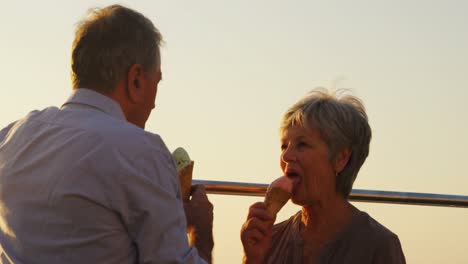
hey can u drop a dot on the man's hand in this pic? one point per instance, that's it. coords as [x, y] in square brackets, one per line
[256, 233]
[199, 214]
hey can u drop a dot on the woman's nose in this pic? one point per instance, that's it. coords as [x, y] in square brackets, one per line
[288, 155]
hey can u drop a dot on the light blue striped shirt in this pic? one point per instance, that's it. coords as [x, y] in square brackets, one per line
[80, 184]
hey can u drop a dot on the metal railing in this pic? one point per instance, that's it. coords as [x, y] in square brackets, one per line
[357, 195]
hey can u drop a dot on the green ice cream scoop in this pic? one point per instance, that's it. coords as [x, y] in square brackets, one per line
[181, 158]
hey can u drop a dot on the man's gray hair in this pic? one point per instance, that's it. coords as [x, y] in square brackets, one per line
[342, 122]
[108, 42]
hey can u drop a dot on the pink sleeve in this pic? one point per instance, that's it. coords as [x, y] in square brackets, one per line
[389, 252]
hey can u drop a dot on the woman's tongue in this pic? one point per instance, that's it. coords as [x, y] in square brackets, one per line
[296, 180]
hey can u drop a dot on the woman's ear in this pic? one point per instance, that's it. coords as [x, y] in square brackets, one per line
[342, 159]
[135, 77]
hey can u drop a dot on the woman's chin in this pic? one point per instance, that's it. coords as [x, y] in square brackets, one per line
[297, 200]
[302, 201]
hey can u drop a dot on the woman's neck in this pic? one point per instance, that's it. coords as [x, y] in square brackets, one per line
[327, 216]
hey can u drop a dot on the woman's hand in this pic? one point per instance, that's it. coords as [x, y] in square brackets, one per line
[256, 233]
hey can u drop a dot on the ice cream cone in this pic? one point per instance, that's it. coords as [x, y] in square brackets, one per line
[184, 166]
[275, 199]
[185, 177]
[278, 194]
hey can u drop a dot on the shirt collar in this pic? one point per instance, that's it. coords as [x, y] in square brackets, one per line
[94, 99]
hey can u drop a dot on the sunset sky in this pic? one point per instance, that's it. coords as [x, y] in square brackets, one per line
[231, 68]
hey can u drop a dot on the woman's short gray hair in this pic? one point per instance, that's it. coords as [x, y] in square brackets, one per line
[342, 122]
[108, 42]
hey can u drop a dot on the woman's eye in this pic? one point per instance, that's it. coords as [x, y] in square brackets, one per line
[283, 147]
[301, 144]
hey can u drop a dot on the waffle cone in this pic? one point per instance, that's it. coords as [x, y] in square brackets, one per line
[185, 177]
[275, 199]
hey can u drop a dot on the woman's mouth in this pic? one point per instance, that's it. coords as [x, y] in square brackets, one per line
[295, 178]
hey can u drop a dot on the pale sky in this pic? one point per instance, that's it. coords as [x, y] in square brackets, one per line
[231, 68]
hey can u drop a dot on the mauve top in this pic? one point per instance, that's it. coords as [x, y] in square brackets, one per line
[363, 241]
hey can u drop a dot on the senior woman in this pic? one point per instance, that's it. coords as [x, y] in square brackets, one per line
[325, 140]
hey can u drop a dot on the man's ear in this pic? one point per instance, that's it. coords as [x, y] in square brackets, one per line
[342, 159]
[135, 77]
